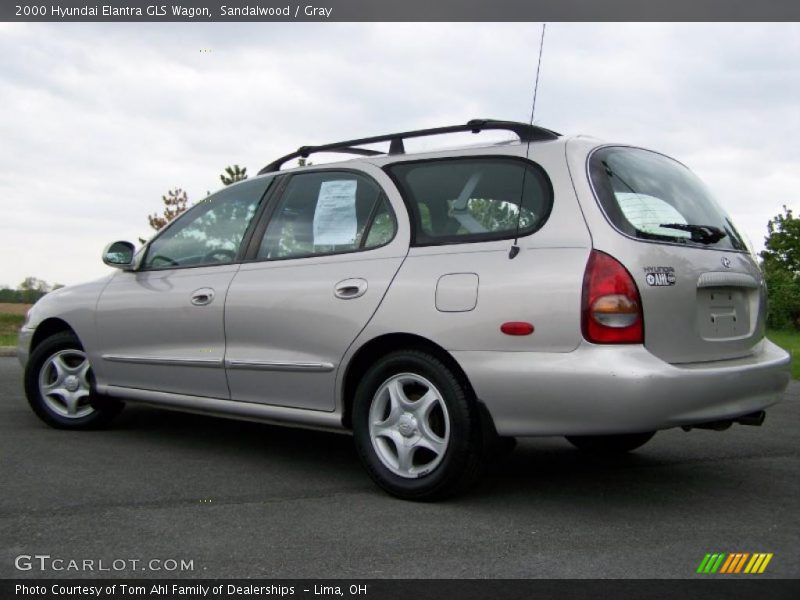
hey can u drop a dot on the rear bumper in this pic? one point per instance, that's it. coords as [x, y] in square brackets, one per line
[619, 389]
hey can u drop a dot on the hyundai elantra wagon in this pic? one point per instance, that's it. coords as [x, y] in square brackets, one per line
[436, 305]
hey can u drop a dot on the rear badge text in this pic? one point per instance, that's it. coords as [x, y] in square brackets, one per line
[659, 276]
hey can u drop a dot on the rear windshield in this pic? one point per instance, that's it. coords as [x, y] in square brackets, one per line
[473, 199]
[651, 197]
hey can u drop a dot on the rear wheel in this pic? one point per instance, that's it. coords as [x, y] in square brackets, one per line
[416, 427]
[59, 386]
[610, 444]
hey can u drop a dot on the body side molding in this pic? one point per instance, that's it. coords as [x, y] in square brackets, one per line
[248, 411]
[273, 365]
[151, 360]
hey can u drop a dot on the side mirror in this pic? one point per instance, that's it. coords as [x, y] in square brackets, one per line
[119, 255]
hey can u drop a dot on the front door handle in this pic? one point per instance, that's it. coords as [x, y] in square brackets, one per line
[350, 288]
[202, 297]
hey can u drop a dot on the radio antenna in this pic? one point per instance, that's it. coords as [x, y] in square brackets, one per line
[515, 246]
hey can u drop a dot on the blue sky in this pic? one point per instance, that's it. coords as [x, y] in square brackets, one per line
[99, 120]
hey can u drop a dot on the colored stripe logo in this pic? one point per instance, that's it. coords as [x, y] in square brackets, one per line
[734, 563]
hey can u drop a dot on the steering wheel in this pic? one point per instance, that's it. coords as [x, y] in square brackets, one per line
[214, 255]
[166, 259]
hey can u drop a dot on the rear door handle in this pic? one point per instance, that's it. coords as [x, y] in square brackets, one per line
[202, 297]
[350, 288]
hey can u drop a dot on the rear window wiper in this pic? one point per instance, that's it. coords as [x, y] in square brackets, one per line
[703, 234]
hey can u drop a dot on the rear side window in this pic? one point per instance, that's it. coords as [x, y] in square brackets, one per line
[328, 212]
[473, 199]
[652, 197]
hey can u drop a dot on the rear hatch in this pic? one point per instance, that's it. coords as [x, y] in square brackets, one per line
[702, 294]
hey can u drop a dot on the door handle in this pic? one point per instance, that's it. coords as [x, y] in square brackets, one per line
[350, 288]
[202, 297]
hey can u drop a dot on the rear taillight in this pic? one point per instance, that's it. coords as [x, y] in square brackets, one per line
[612, 308]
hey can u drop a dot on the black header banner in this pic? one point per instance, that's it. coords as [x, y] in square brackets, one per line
[399, 10]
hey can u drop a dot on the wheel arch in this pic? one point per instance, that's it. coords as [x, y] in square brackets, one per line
[379, 346]
[48, 327]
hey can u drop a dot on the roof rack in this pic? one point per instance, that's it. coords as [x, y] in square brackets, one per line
[526, 133]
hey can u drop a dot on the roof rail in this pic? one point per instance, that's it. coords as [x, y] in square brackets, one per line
[526, 133]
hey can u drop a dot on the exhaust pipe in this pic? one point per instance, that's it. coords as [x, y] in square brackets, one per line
[713, 425]
[755, 419]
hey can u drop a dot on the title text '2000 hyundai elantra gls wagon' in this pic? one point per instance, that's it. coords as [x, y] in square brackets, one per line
[436, 305]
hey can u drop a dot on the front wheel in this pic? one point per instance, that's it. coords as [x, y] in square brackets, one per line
[610, 444]
[59, 386]
[416, 427]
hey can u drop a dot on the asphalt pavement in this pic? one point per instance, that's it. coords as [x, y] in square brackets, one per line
[249, 500]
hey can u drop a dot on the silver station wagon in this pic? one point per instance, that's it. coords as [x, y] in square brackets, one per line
[436, 305]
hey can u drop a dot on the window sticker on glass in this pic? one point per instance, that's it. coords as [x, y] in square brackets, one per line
[649, 214]
[335, 221]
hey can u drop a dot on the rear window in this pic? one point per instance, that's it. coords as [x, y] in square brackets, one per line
[473, 199]
[651, 197]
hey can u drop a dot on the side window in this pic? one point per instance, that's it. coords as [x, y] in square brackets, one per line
[327, 213]
[474, 199]
[383, 226]
[210, 232]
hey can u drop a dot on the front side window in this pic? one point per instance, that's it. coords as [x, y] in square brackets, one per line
[328, 212]
[651, 197]
[474, 199]
[210, 232]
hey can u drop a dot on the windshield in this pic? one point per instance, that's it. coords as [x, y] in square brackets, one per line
[651, 197]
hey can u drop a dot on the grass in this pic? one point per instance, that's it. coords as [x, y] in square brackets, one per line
[789, 341]
[11, 318]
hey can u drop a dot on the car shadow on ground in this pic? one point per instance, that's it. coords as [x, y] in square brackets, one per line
[548, 469]
[239, 441]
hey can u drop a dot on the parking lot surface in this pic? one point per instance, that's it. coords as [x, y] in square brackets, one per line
[250, 500]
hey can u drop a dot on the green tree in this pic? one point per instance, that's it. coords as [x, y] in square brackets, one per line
[782, 270]
[175, 202]
[9, 295]
[34, 284]
[498, 215]
[783, 242]
[233, 174]
[31, 289]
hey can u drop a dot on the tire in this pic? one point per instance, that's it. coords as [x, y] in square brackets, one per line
[610, 444]
[417, 428]
[60, 387]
